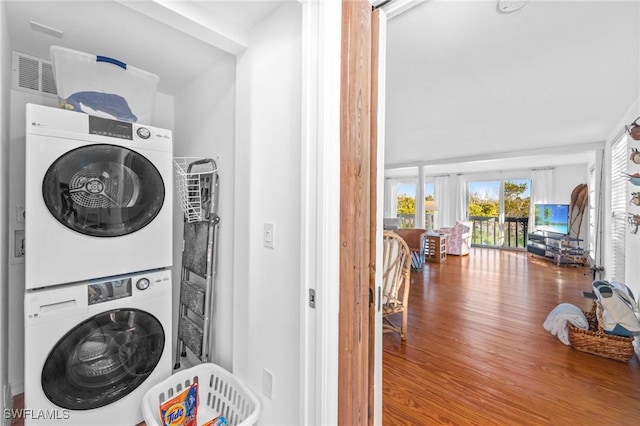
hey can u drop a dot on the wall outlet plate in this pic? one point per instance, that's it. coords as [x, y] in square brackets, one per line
[267, 383]
[18, 243]
[20, 214]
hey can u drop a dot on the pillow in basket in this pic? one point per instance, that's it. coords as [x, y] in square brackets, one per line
[619, 310]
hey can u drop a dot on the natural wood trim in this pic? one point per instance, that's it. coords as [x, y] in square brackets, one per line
[355, 205]
[375, 38]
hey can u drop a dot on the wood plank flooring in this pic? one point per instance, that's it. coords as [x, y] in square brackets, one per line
[477, 354]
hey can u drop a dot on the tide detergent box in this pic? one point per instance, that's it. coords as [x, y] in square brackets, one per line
[181, 409]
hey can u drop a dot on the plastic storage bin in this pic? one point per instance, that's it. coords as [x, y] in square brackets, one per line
[219, 393]
[78, 72]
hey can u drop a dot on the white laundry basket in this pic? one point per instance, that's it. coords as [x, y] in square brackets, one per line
[219, 393]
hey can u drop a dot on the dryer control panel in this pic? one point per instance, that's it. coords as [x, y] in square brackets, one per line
[111, 128]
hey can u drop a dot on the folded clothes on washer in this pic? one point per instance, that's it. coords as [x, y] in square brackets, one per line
[556, 322]
[106, 105]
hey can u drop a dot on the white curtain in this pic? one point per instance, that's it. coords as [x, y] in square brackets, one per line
[597, 201]
[390, 198]
[541, 189]
[420, 215]
[462, 200]
[442, 217]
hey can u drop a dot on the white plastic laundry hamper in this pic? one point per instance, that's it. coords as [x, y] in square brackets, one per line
[219, 393]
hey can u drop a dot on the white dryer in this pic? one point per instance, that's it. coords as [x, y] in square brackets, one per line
[98, 197]
[93, 349]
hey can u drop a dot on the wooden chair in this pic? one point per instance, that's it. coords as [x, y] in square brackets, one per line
[415, 239]
[395, 282]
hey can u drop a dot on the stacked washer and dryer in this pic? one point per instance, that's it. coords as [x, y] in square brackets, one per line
[98, 237]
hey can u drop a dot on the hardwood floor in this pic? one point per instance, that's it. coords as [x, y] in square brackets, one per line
[476, 352]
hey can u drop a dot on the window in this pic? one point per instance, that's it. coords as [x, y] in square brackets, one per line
[406, 203]
[618, 207]
[499, 212]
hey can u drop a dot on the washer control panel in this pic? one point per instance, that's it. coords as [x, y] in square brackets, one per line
[121, 286]
[107, 291]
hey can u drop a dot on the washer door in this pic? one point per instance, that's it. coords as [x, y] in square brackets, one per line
[103, 190]
[103, 359]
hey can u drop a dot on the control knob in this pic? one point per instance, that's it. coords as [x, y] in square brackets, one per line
[143, 284]
[143, 132]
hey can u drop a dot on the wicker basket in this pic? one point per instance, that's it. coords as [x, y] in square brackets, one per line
[596, 341]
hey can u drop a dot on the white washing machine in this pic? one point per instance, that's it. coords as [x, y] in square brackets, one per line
[98, 197]
[93, 349]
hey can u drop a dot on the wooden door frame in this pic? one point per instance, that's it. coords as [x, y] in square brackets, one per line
[326, 381]
[358, 206]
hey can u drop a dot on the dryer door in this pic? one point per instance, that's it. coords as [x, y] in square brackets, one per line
[103, 190]
[103, 359]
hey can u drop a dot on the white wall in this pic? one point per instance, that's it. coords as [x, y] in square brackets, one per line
[266, 307]
[5, 82]
[632, 241]
[205, 128]
[566, 178]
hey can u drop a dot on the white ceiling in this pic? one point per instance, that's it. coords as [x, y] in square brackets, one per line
[178, 53]
[465, 81]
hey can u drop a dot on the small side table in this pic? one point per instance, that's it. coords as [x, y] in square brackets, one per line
[435, 248]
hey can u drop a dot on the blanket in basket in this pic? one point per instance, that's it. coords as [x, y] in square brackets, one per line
[556, 322]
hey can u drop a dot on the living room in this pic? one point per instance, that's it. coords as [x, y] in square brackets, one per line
[539, 90]
[497, 91]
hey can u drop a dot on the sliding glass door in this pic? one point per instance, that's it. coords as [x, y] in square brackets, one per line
[499, 212]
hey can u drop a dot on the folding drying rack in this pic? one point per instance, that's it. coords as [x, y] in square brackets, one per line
[197, 190]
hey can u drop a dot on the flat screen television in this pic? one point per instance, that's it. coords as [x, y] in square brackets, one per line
[552, 218]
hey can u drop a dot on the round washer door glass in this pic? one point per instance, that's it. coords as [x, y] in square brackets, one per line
[103, 359]
[103, 190]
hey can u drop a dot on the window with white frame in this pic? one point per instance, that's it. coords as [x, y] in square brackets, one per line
[618, 207]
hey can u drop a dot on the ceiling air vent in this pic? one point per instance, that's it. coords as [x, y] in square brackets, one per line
[33, 74]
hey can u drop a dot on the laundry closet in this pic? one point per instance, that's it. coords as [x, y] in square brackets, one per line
[243, 108]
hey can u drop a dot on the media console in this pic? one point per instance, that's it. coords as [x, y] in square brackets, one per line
[559, 248]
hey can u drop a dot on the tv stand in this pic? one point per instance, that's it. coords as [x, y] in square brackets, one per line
[563, 250]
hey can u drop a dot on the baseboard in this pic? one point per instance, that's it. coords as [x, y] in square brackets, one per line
[16, 388]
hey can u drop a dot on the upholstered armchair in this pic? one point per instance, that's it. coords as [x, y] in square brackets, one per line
[415, 238]
[458, 238]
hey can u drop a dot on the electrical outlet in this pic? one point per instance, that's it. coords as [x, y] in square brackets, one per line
[18, 246]
[267, 383]
[20, 214]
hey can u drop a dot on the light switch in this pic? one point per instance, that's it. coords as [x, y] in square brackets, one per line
[268, 236]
